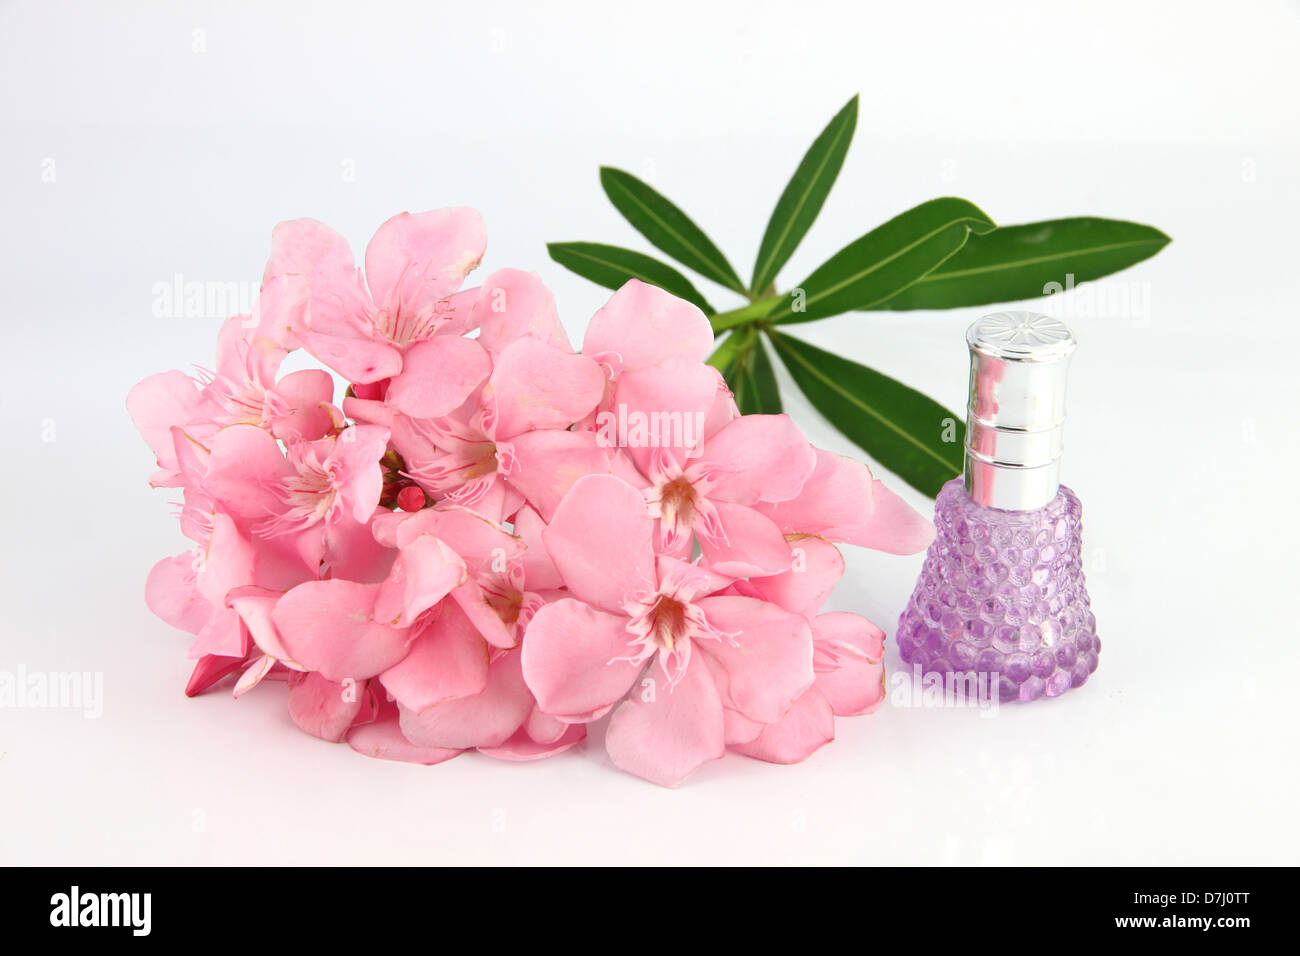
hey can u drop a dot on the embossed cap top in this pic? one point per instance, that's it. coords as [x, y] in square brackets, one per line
[1021, 337]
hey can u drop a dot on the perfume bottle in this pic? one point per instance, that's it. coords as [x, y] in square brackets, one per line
[1001, 596]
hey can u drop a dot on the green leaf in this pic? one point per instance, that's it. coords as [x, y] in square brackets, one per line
[754, 382]
[804, 196]
[1023, 262]
[885, 261]
[667, 227]
[611, 266]
[745, 365]
[896, 425]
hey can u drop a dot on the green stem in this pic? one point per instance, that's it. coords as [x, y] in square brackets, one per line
[744, 315]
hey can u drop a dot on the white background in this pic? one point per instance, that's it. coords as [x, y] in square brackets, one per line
[1182, 437]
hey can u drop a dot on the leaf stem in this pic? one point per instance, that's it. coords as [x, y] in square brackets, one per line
[745, 315]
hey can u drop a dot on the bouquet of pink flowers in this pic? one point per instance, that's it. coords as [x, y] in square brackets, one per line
[494, 541]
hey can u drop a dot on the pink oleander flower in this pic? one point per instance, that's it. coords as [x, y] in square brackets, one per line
[649, 633]
[485, 422]
[359, 324]
[704, 470]
[492, 541]
[510, 442]
[242, 390]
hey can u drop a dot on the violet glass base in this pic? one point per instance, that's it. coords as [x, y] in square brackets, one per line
[1002, 594]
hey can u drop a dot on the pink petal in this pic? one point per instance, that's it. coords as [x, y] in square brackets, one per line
[425, 572]
[739, 728]
[539, 571]
[839, 503]
[243, 471]
[473, 603]
[158, 403]
[724, 410]
[805, 727]
[323, 708]
[857, 685]
[664, 735]
[418, 258]
[223, 635]
[513, 304]
[770, 663]
[522, 747]
[642, 325]
[438, 375]
[600, 542]
[816, 566]
[191, 458]
[535, 385]
[353, 553]
[447, 661]
[300, 246]
[894, 526]
[259, 669]
[382, 738]
[479, 542]
[172, 594]
[687, 577]
[753, 544]
[570, 660]
[358, 477]
[488, 719]
[299, 398]
[229, 561]
[243, 356]
[282, 305]
[665, 408]
[544, 728]
[329, 626]
[358, 359]
[210, 669]
[255, 607]
[456, 312]
[549, 461]
[760, 458]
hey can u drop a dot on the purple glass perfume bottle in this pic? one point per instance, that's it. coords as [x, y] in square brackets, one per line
[1002, 590]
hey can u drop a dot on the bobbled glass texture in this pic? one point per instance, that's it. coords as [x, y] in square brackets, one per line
[1002, 593]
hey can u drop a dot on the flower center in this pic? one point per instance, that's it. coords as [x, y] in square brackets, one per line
[309, 497]
[506, 601]
[482, 460]
[404, 325]
[677, 503]
[666, 623]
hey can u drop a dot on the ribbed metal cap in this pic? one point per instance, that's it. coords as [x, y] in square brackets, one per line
[1016, 415]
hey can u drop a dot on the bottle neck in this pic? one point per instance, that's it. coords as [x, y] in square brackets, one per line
[1011, 487]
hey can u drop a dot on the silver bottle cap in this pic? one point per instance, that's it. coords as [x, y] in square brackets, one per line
[1016, 414]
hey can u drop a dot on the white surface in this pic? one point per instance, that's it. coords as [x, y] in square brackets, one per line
[1182, 437]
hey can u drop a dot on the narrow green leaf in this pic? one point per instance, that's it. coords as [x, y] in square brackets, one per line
[612, 266]
[885, 261]
[1023, 262]
[760, 395]
[745, 365]
[804, 196]
[667, 227]
[896, 425]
